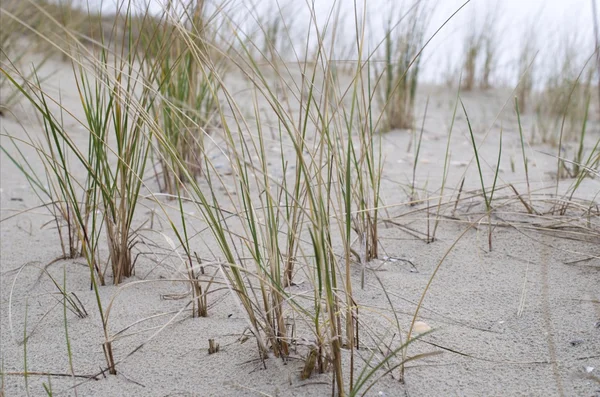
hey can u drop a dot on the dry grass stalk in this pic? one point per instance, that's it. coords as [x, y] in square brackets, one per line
[213, 347]
[309, 363]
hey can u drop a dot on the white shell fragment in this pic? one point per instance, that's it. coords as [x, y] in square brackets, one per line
[421, 327]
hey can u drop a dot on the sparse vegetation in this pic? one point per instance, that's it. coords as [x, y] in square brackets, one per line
[561, 106]
[267, 167]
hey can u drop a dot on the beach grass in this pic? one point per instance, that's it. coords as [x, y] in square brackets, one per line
[284, 176]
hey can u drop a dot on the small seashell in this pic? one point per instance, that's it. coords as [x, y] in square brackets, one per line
[421, 327]
[588, 370]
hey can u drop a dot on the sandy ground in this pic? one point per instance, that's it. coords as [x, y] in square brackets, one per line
[523, 319]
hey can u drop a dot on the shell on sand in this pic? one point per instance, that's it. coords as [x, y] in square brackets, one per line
[420, 327]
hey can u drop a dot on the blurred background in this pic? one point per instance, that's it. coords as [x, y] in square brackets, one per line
[550, 27]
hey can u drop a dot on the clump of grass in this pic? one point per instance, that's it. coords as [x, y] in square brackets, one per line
[473, 49]
[527, 69]
[402, 44]
[116, 117]
[491, 42]
[561, 106]
[334, 187]
[188, 89]
[312, 193]
[112, 112]
[268, 226]
[583, 165]
[481, 46]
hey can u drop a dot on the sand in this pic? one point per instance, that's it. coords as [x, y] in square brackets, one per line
[523, 319]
